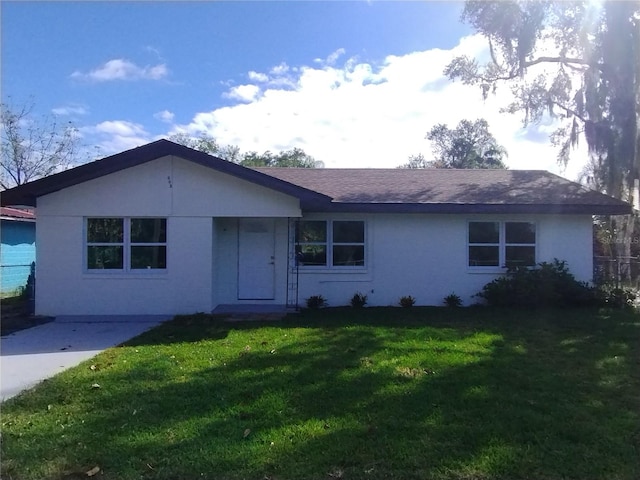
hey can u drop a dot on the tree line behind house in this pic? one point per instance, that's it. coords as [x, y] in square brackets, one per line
[35, 147]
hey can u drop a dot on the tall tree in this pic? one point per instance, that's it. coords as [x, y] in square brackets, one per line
[296, 157]
[469, 145]
[207, 144]
[578, 62]
[587, 59]
[417, 161]
[33, 147]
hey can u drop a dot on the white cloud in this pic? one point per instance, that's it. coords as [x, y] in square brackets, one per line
[366, 114]
[281, 69]
[122, 69]
[258, 77]
[332, 58]
[243, 93]
[120, 127]
[115, 136]
[70, 110]
[164, 116]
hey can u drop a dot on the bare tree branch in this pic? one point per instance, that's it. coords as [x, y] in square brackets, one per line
[33, 148]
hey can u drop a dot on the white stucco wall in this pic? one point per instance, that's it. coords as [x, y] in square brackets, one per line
[188, 195]
[64, 287]
[411, 254]
[425, 256]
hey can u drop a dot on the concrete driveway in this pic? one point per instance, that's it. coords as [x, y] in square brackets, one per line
[32, 355]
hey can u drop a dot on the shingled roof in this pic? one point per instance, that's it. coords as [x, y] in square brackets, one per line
[450, 190]
[363, 190]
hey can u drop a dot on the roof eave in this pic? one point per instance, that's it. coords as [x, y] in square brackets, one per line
[456, 208]
[17, 219]
[12, 198]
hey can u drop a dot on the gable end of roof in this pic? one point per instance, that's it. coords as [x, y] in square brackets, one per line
[28, 193]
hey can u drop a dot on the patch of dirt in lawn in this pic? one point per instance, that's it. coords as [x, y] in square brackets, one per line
[14, 316]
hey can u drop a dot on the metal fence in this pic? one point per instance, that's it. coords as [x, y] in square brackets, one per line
[620, 271]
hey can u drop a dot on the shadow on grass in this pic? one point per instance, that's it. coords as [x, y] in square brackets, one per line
[193, 328]
[475, 394]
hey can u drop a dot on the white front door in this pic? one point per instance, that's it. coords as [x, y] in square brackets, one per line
[256, 259]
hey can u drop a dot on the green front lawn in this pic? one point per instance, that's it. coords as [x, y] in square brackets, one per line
[422, 393]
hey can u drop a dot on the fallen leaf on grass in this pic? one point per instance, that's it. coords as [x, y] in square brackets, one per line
[94, 471]
[246, 433]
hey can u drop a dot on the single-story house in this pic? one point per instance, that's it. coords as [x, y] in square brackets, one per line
[166, 229]
[17, 249]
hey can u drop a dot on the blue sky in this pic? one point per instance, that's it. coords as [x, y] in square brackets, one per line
[355, 84]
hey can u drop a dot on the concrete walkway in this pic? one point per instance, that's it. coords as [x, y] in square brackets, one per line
[32, 355]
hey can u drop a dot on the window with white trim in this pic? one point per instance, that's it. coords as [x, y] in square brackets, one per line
[502, 244]
[126, 244]
[332, 243]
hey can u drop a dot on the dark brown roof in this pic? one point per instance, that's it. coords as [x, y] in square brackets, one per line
[444, 187]
[363, 190]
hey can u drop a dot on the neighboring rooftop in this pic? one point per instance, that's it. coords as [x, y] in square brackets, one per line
[20, 214]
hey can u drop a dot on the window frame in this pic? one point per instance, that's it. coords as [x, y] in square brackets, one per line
[329, 245]
[522, 245]
[127, 245]
[298, 244]
[88, 244]
[485, 244]
[502, 245]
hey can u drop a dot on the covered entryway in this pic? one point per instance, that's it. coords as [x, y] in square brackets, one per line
[256, 259]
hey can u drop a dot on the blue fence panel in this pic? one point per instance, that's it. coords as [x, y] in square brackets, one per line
[17, 253]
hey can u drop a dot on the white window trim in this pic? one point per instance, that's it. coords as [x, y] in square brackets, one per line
[329, 267]
[126, 245]
[502, 246]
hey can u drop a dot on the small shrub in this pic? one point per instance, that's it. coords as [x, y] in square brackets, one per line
[407, 301]
[453, 300]
[547, 285]
[316, 301]
[358, 300]
[616, 297]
